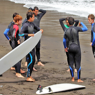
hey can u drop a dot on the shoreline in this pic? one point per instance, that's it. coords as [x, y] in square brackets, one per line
[52, 55]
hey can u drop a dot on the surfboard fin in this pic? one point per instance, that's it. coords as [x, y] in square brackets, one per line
[49, 89]
[39, 88]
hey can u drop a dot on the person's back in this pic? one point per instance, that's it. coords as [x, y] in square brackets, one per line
[72, 35]
[73, 46]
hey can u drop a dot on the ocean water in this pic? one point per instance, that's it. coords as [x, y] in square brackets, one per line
[77, 7]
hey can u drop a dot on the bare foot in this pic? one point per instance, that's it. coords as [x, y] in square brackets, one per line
[79, 80]
[75, 70]
[30, 79]
[21, 71]
[34, 69]
[93, 79]
[40, 64]
[73, 79]
[68, 70]
[26, 64]
[12, 68]
[19, 75]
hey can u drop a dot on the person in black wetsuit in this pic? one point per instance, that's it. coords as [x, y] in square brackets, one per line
[27, 31]
[15, 40]
[37, 23]
[67, 26]
[11, 23]
[6, 35]
[29, 10]
[73, 46]
[92, 44]
[37, 20]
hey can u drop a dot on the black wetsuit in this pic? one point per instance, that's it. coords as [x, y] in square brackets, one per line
[62, 25]
[7, 30]
[37, 22]
[28, 28]
[71, 34]
[13, 35]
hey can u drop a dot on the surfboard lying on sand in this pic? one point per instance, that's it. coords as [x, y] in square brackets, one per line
[19, 52]
[58, 88]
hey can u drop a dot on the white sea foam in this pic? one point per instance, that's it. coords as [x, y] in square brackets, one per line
[77, 7]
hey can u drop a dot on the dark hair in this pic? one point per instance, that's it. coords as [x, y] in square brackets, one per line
[67, 18]
[71, 21]
[91, 16]
[36, 8]
[30, 9]
[29, 14]
[15, 14]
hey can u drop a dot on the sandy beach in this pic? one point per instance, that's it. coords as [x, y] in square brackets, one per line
[52, 55]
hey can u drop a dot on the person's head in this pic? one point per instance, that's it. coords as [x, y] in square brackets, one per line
[70, 21]
[30, 9]
[36, 11]
[67, 20]
[91, 18]
[15, 15]
[18, 19]
[30, 16]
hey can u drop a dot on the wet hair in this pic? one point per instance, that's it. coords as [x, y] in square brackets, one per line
[17, 18]
[36, 8]
[71, 21]
[29, 14]
[67, 18]
[30, 9]
[15, 14]
[91, 16]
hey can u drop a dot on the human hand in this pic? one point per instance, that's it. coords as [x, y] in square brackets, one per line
[18, 41]
[32, 35]
[91, 44]
[66, 49]
[41, 30]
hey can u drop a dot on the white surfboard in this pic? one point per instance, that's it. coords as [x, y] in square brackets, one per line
[19, 52]
[59, 88]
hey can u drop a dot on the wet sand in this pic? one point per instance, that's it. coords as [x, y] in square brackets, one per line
[52, 55]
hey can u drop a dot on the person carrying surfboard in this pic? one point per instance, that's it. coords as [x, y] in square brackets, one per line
[67, 26]
[15, 40]
[6, 35]
[29, 10]
[92, 44]
[73, 46]
[27, 31]
[37, 20]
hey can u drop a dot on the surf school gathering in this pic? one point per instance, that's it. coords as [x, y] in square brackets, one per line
[31, 26]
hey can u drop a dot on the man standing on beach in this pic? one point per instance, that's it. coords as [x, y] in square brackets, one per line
[73, 46]
[27, 31]
[37, 20]
[6, 35]
[66, 27]
[92, 44]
